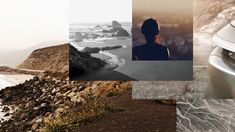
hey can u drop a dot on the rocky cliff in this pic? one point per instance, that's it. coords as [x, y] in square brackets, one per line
[80, 62]
[53, 58]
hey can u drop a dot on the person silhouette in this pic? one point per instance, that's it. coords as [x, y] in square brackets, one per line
[152, 50]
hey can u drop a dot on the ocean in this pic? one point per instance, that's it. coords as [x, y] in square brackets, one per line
[12, 80]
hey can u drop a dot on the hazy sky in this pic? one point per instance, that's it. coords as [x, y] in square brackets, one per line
[24, 23]
[98, 11]
[163, 6]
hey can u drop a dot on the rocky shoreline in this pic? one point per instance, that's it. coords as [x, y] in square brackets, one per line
[47, 103]
[46, 97]
[50, 102]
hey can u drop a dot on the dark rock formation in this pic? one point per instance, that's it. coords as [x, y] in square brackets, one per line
[116, 26]
[81, 62]
[93, 50]
[112, 47]
[121, 33]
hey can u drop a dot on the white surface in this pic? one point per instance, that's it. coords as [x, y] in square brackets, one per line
[225, 38]
[4, 118]
[222, 76]
[11, 80]
[79, 48]
[233, 22]
[99, 11]
[25, 23]
[115, 60]
[97, 40]
[218, 62]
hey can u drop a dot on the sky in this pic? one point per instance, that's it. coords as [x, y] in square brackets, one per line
[24, 23]
[100, 11]
[163, 6]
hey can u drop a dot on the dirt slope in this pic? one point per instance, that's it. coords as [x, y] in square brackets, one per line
[136, 116]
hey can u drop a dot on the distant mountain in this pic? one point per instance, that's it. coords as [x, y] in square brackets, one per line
[12, 59]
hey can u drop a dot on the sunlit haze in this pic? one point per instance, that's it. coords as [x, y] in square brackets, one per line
[184, 7]
[25, 23]
[99, 11]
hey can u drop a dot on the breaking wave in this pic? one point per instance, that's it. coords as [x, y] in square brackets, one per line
[79, 48]
[115, 60]
[97, 40]
[12, 80]
[4, 82]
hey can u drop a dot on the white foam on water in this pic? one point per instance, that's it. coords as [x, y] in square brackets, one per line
[12, 80]
[79, 48]
[123, 46]
[6, 82]
[97, 40]
[91, 41]
[115, 60]
[3, 116]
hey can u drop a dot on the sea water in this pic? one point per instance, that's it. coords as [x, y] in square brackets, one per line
[12, 80]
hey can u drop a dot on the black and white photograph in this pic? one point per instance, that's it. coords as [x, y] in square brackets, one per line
[205, 115]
